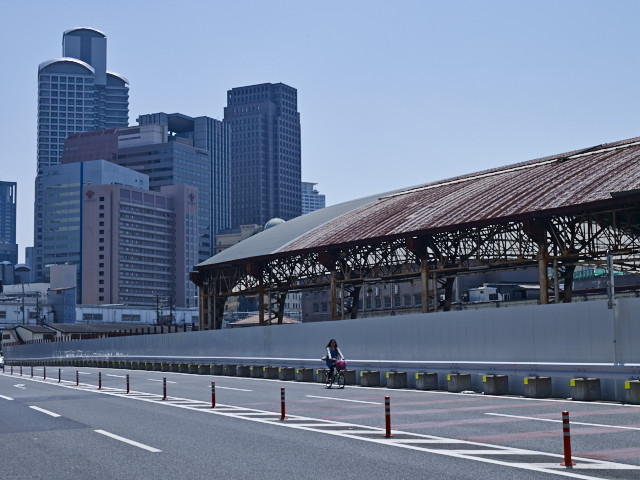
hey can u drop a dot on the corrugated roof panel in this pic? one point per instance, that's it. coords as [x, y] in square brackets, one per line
[550, 183]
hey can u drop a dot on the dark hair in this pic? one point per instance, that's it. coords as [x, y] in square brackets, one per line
[332, 340]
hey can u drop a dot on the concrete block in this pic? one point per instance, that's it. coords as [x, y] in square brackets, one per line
[270, 372]
[349, 377]
[149, 366]
[370, 378]
[585, 389]
[230, 370]
[204, 369]
[184, 368]
[495, 384]
[174, 367]
[458, 382]
[304, 375]
[157, 366]
[632, 391]
[396, 379]
[426, 381]
[217, 369]
[193, 368]
[287, 373]
[256, 371]
[537, 387]
[165, 367]
[243, 371]
[321, 374]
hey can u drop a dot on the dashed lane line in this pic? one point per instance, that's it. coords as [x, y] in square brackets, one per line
[343, 400]
[621, 427]
[474, 451]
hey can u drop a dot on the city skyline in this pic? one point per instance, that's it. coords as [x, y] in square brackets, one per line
[390, 96]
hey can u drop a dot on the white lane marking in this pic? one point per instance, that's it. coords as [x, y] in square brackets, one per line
[344, 400]
[552, 469]
[156, 380]
[44, 411]
[231, 388]
[560, 421]
[20, 386]
[130, 442]
[117, 376]
[6, 398]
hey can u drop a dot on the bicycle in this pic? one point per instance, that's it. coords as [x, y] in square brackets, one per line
[338, 376]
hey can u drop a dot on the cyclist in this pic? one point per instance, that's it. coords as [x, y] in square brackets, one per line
[333, 355]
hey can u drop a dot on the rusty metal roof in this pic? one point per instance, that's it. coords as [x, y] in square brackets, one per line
[561, 183]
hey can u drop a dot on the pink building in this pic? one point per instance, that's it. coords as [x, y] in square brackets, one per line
[138, 246]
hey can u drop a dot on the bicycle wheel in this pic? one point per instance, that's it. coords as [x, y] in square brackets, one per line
[328, 379]
[340, 380]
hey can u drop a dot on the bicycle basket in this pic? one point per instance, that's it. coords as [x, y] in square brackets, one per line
[341, 365]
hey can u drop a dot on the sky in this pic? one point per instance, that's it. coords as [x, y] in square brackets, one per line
[390, 94]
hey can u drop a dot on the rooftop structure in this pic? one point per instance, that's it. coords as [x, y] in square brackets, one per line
[553, 213]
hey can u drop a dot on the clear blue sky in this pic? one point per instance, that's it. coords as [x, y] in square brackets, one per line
[391, 94]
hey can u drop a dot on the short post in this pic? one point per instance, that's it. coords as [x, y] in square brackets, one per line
[44, 373]
[11, 369]
[282, 409]
[127, 383]
[164, 388]
[59, 375]
[99, 380]
[20, 370]
[567, 441]
[387, 414]
[213, 394]
[31, 371]
[77, 378]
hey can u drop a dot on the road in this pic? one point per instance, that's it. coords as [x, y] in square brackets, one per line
[59, 430]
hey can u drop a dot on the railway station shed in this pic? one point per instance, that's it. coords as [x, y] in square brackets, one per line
[555, 213]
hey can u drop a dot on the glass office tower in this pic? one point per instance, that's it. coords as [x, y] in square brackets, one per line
[265, 153]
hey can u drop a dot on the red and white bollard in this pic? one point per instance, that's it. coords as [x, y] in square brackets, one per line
[11, 369]
[99, 380]
[387, 415]
[164, 388]
[59, 375]
[127, 383]
[282, 409]
[213, 394]
[44, 373]
[77, 378]
[31, 371]
[567, 441]
[20, 370]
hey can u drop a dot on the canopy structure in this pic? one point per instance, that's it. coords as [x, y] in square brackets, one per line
[553, 213]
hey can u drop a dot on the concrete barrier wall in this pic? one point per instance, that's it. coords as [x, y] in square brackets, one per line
[518, 340]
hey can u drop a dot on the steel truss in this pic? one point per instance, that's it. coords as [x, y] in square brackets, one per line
[556, 243]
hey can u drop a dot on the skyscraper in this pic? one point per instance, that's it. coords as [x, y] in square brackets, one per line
[265, 153]
[76, 93]
[61, 221]
[172, 150]
[8, 199]
[311, 199]
[210, 139]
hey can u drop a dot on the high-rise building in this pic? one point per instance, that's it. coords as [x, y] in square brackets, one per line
[213, 138]
[8, 201]
[76, 93]
[265, 153]
[172, 150]
[311, 199]
[138, 246]
[61, 224]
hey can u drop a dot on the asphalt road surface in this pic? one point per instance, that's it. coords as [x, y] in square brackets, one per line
[59, 430]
